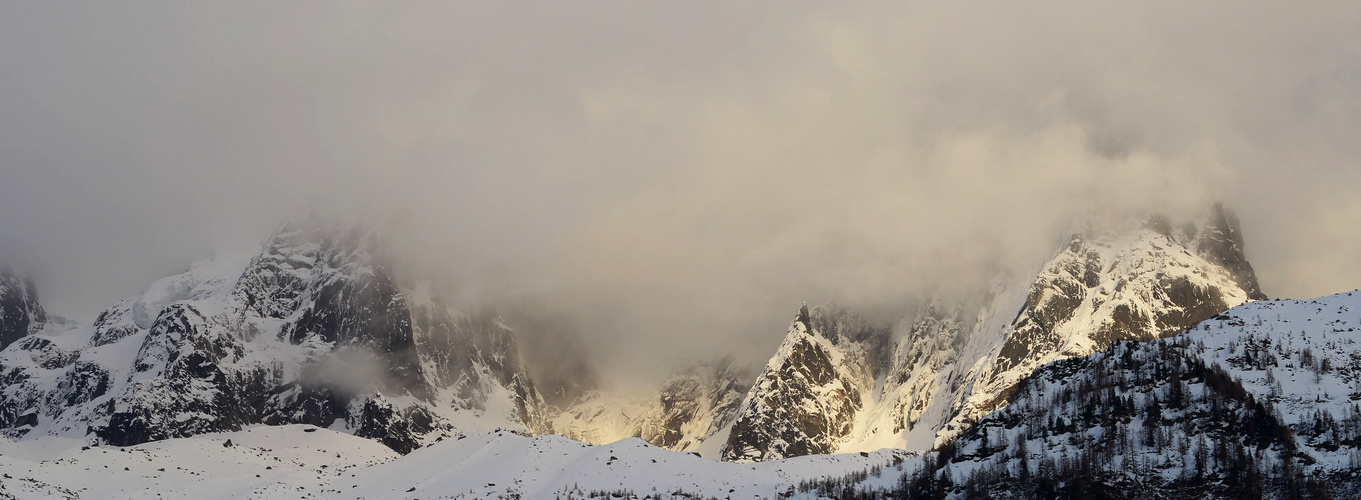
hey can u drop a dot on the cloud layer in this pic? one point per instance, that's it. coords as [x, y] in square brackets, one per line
[673, 176]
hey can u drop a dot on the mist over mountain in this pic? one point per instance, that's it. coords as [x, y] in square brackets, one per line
[801, 236]
[671, 177]
[1127, 345]
[315, 329]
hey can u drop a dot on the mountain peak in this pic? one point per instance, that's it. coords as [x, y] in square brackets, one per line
[804, 318]
[311, 330]
[1221, 242]
[1116, 278]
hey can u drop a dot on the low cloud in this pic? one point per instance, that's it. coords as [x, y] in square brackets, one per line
[672, 179]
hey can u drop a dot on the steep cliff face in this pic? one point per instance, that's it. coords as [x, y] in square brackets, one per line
[474, 362]
[20, 312]
[310, 330]
[1221, 242]
[930, 376]
[920, 359]
[807, 399]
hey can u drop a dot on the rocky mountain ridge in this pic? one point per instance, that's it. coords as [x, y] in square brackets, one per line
[1260, 401]
[920, 382]
[314, 330]
[311, 330]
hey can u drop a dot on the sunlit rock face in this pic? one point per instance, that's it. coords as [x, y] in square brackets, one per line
[807, 399]
[922, 380]
[1142, 282]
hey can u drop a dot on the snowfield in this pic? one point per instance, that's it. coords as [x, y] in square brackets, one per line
[291, 461]
[494, 464]
[298, 461]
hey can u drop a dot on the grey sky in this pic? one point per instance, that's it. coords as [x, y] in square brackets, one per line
[687, 172]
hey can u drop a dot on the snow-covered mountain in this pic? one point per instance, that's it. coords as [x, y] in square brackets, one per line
[839, 384]
[1258, 402]
[807, 399]
[1141, 359]
[311, 330]
[314, 330]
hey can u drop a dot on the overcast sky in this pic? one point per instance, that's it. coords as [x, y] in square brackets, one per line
[688, 172]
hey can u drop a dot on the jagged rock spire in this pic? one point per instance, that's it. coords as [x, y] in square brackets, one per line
[803, 318]
[1221, 242]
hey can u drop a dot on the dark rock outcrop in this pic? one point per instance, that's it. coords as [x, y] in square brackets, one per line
[312, 330]
[1221, 242]
[20, 312]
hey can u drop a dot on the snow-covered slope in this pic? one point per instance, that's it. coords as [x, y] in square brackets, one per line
[604, 416]
[311, 330]
[920, 382]
[493, 465]
[1112, 285]
[293, 461]
[1300, 357]
[299, 461]
[1259, 401]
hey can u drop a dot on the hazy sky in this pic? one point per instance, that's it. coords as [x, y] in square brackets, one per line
[673, 174]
